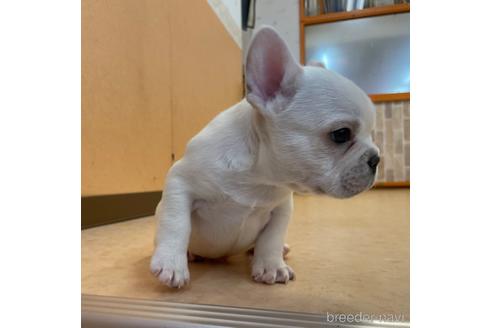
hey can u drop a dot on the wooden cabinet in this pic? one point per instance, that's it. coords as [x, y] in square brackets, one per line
[154, 72]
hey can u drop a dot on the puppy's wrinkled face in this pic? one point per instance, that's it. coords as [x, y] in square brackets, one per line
[323, 134]
[318, 123]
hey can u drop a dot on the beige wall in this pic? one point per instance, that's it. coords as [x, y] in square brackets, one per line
[206, 70]
[153, 74]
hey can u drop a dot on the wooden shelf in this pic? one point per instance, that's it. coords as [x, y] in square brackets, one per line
[340, 16]
[390, 97]
[344, 15]
[392, 184]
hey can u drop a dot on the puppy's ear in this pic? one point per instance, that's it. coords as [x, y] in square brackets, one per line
[271, 71]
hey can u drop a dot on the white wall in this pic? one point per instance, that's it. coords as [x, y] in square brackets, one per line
[283, 15]
[234, 7]
[229, 13]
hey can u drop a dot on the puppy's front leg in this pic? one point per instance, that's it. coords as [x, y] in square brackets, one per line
[169, 261]
[268, 263]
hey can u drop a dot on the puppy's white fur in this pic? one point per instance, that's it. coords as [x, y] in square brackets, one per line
[232, 190]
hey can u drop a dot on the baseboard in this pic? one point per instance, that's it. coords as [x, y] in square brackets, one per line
[105, 209]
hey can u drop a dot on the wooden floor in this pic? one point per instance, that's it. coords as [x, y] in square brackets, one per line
[350, 256]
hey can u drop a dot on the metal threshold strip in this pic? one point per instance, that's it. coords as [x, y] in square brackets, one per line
[104, 311]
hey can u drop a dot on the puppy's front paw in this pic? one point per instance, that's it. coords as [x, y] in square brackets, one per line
[171, 269]
[272, 271]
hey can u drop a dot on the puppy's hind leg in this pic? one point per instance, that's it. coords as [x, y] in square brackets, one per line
[268, 261]
[285, 251]
[194, 258]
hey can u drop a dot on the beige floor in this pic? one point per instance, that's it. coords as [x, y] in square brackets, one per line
[350, 256]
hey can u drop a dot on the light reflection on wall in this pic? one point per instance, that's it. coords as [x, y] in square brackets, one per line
[373, 52]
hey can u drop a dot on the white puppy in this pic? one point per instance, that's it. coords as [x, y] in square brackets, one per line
[303, 129]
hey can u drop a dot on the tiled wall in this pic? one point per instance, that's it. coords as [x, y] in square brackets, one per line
[392, 135]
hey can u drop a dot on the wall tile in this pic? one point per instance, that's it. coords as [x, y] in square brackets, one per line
[388, 136]
[399, 142]
[392, 136]
[398, 168]
[387, 110]
[390, 175]
[407, 155]
[379, 118]
[406, 130]
[379, 140]
[406, 109]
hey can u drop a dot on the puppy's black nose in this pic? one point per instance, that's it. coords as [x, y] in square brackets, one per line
[373, 162]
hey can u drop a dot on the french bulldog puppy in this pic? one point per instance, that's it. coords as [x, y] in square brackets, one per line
[303, 129]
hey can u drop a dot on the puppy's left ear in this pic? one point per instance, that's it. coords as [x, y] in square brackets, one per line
[271, 72]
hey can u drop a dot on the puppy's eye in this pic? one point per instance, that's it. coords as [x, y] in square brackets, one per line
[341, 135]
